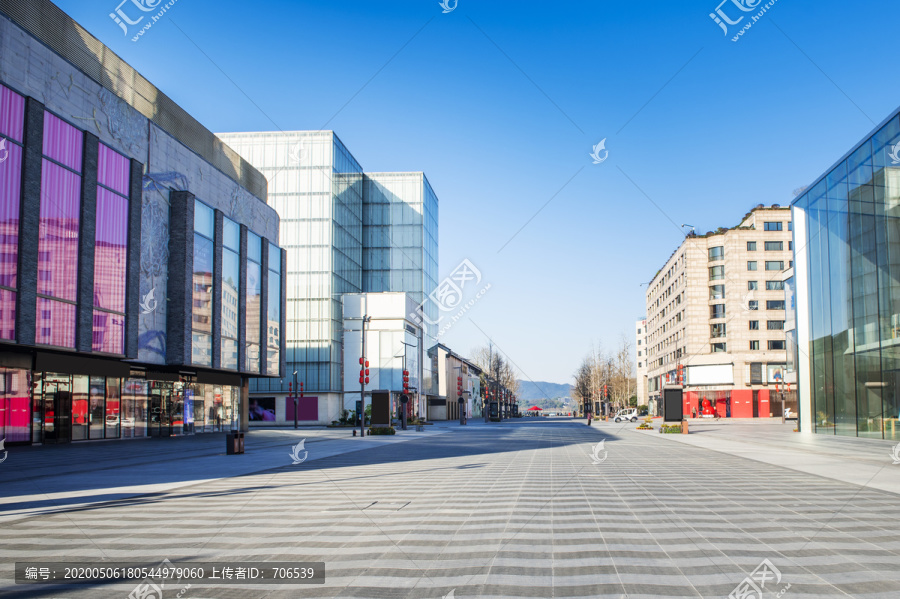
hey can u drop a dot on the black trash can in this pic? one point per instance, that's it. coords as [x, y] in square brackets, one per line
[234, 443]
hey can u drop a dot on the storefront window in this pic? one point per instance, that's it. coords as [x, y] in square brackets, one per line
[97, 407]
[113, 407]
[80, 412]
[15, 405]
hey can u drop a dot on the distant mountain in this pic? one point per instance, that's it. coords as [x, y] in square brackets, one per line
[532, 391]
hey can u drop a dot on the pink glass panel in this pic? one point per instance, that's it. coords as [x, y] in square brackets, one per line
[110, 251]
[7, 315]
[10, 194]
[58, 233]
[62, 142]
[112, 170]
[55, 323]
[12, 114]
[109, 333]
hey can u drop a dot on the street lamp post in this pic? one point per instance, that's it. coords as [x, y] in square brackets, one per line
[296, 405]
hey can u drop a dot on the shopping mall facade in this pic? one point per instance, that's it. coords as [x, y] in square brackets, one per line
[141, 282]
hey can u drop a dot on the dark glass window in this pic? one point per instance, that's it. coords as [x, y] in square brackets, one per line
[773, 226]
[716, 253]
[716, 273]
[751, 265]
[775, 305]
[775, 265]
[717, 292]
[717, 330]
[751, 246]
[717, 311]
[718, 347]
[756, 373]
[775, 325]
[754, 325]
[753, 305]
[776, 344]
[774, 285]
[754, 345]
[774, 246]
[752, 285]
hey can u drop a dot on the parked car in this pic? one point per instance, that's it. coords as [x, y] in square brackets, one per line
[629, 414]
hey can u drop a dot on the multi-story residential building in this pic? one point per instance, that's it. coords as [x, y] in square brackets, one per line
[141, 284]
[716, 317]
[640, 352]
[847, 282]
[345, 232]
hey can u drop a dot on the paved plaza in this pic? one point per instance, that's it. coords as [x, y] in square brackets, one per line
[527, 508]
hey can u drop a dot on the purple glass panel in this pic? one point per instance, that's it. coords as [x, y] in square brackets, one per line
[109, 333]
[12, 114]
[55, 323]
[7, 315]
[62, 142]
[10, 193]
[110, 251]
[112, 170]
[58, 243]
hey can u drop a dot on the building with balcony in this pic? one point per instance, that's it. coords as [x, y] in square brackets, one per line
[716, 317]
[141, 285]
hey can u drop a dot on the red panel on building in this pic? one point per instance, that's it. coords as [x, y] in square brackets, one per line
[742, 403]
[765, 410]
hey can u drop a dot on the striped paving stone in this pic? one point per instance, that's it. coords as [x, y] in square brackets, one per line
[512, 510]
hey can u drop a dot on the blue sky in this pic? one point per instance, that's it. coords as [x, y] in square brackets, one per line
[500, 104]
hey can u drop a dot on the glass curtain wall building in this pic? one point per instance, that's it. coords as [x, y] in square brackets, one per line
[847, 286]
[400, 234]
[315, 185]
[345, 231]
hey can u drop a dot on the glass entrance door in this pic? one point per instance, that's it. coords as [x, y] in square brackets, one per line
[160, 424]
[57, 400]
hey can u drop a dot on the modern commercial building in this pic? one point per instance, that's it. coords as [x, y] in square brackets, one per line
[393, 342]
[345, 232]
[847, 279]
[141, 283]
[716, 317]
[640, 352]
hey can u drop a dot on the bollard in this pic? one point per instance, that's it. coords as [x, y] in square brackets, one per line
[684, 427]
[354, 432]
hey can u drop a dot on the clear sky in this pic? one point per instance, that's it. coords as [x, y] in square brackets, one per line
[500, 103]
